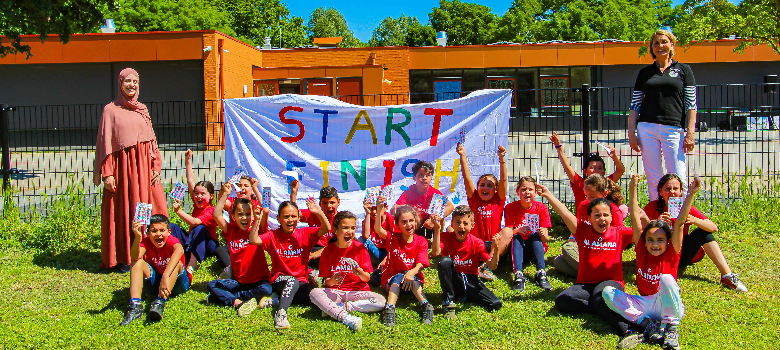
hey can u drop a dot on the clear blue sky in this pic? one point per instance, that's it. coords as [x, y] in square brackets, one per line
[364, 16]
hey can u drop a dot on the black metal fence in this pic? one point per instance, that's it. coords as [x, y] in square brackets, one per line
[50, 148]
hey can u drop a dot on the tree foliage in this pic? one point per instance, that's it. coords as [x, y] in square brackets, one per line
[253, 20]
[465, 23]
[329, 22]
[402, 31]
[44, 17]
[169, 15]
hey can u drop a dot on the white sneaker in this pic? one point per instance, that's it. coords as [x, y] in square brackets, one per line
[227, 273]
[732, 281]
[246, 307]
[265, 302]
[280, 320]
[353, 322]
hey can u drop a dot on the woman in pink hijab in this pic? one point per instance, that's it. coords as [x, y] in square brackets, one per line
[128, 163]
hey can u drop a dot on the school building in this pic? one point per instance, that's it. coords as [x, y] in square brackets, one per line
[209, 65]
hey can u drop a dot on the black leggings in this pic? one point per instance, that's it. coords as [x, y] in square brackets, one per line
[455, 284]
[586, 298]
[692, 242]
[223, 255]
[291, 290]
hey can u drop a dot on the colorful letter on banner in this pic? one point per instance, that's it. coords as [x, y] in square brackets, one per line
[317, 135]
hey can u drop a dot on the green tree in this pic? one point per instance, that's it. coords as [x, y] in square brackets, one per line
[403, 31]
[329, 22]
[253, 20]
[44, 17]
[169, 15]
[465, 23]
[518, 23]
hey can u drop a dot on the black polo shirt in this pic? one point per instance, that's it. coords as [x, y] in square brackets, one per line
[664, 101]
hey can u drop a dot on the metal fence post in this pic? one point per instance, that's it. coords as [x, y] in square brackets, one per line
[4, 141]
[585, 120]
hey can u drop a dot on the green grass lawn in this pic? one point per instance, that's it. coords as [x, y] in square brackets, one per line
[63, 300]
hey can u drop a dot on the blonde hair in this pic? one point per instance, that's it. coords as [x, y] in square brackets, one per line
[667, 34]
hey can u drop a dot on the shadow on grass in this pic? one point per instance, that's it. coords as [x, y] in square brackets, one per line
[119, 301]
[74, 259]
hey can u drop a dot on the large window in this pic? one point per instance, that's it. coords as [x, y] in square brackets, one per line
[266, 87]
[502, 83]
[449, 89]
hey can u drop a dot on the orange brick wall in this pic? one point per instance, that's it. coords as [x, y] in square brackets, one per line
[394, 81]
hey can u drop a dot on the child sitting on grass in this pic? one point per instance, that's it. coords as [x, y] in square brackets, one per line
[329, 202]
[487, 205]
[407, 255]
[527, 245]
[375, 242]
[202, 241]
[346, 268]
[658, 248]
[157, 268]
[289, 248]
[419, 196]
[591, 164]
[250, 269]
[462, 253]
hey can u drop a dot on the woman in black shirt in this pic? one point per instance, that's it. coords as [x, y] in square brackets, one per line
[664, 102]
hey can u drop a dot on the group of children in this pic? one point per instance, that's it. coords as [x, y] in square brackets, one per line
[395, 245]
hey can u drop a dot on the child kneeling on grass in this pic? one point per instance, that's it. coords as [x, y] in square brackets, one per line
[157, 268]
[462, 254]
[658, 248]
[289, 248]
[250, 276]
[407, 255]
[346, 267]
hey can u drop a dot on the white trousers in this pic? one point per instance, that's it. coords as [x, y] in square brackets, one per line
[665, 306]
[661, 145]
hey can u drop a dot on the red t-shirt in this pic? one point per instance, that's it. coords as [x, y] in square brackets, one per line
[314, 221]
[403, 256]
[617, 215]
[331, 261]
[514, 215]
[158, 258]
[653, 214]
[387, 224]
[206, 217]
[248, 260]
[487, 215]
[601, 255]
[290, 252]
[649, 268]
[467, 254]
[578, 187]
[417, 201]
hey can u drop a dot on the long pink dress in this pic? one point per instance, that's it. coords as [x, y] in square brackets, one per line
[127, 150]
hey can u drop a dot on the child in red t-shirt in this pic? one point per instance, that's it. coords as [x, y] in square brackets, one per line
[289, 248]
[592, 164]
[202, 241]
[346, 268]
[419, 197]
[249, 280]
[600, 246]
[329, 202]
[407, 255]
[658, 248]
[462, 253]
[375, 242]
[487, 205]
[698, 241]
[247, 188]
[157, 268]
[528, 245]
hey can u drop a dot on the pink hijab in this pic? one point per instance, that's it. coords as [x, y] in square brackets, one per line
[125, 123]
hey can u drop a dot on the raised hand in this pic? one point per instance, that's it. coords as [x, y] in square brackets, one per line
[138, 228]
[556, 141]
[461, 150]
[501, 151]
[695, 185]
[314, 208]
[176, 205]
[188, 155]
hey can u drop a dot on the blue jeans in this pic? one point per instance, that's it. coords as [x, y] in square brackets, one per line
[197, 242]
[527, 250]
[152, 283]
[397, 280]
[227, 291]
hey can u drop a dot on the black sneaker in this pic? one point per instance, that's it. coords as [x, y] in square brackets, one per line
[427, 314]
[134, 310]
[449, 309]
[541, 280]
[519, 281]
[671, 338]
[389, 317]
[156, 310]
[652, 333]
[122, 268]
[631, 340]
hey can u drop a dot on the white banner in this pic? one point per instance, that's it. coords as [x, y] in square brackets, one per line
[354, 148]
